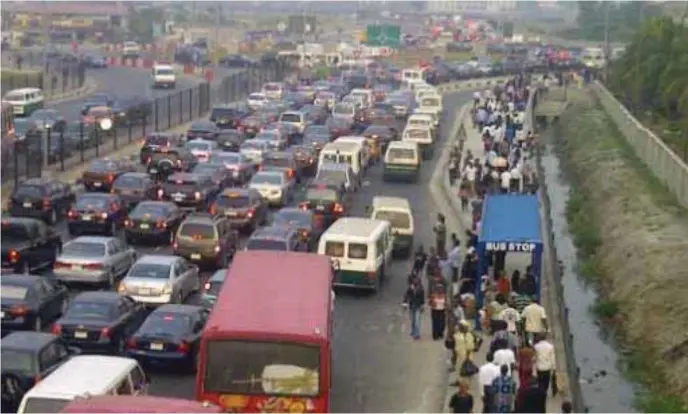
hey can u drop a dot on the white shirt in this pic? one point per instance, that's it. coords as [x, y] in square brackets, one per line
[515, 174]
[534, 314]
[545, 359]
[499, 134]
[511, 317]
[520, 135]
[505, 357]
[470, 172]
[506, 179]
[454, 257]
[476, 95]
[487, 373]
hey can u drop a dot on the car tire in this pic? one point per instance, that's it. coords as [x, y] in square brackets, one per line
[37, 324]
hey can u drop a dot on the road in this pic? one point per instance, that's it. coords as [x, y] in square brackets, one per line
[377, 366]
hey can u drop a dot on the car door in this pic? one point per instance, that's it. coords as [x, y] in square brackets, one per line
[52, 296]
[178, 279]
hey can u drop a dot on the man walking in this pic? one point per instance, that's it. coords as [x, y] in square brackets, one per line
[545, 361]
[414, 300]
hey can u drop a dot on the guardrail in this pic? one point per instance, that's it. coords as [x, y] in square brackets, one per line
[55, 78]
[56, 151]
[668, 167]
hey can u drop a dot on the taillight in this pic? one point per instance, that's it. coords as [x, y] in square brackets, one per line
[105, 333]
[206, 286]
[131, 343]
[104, 215]
[148, 160]
[260, 167]
[251, 212]
[72, 214]
[93, 266]
[291, 173]
[160, 193]
[305, 234]
[57, 329]
[311, 160]
[19, 310]
[338, 208]
[217, 248]
[175, 245]
[305, 205]
[37, 379]
[128, 223]
[47, 203]
[111, 178]
[184, 347]
[162, 224]
[14, 256]
[213, 208]
[61, 265]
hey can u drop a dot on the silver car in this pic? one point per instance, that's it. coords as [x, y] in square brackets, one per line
[160, 279]
[254, 150]
[274, 186]
[94, 259]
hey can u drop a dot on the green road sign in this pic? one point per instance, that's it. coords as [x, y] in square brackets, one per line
[384, 35]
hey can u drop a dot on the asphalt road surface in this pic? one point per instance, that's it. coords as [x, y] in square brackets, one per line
[377, 366]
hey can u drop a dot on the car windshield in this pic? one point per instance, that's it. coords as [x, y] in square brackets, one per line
[324, 194]
[166, 324]
[17, 361]
[102, 166]
[84, 249]
[13, 292]
[343, 109]
[395, 154]
[297, 218]
[14, 96]
[164, 71]
[331, 173]
[150, 271]
[92, 202]
[128, 181]
[277, 162]
[197, 231]
[45, 405]
[267, 179]
[266, 244]
[97, 311]
[29, 191]
[397, 219]
[290, 118]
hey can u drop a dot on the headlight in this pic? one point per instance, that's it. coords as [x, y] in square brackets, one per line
[167, 290]
[122, 288]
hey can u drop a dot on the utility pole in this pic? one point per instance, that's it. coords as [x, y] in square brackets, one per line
[607, 46]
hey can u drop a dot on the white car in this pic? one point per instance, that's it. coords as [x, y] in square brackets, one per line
[131, 49]
[94, 260]
[274, 186]
[202, 149]
[257, 100]
[164, 76]
[254, 150]
[160, 279]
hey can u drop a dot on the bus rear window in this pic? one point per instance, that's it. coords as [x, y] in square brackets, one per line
[334, 249]
[397, 219]
[358, 251]
[265, 368]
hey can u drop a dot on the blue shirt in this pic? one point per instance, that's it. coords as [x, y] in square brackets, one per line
[504, 391]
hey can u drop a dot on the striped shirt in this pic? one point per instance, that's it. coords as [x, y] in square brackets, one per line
[520, 302]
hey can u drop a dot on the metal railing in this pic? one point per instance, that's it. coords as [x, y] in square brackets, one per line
[55, 151]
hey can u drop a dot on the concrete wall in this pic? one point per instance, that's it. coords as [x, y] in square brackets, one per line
[669, 168]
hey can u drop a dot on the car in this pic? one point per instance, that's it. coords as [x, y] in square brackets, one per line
[153, 220]
[306, 157]
[229, 116]
[381, 114]
[202, 149]
[134, 110]
[282, 161]
[49, 119]
[99, 321]
[339, 172]
[276, 238]
[230, 140]
[159, 142]
[203, 129]
[340, 126]
[221, 176]
[94, 260]
[98, 99]
[327, 199]
[96, 213]
[30, 302]
[32, 356]
[254, 123]
[206, 239]
[254, 150]
[189, 191]
[238, 165]
[131, 49]
[317, 114]
[166, 161]
[134, 187]
[95, 61]
[169, 335]
[43, 198]
[237, 61]
[245, 208]
[273, 140]
[326, 99]
[274, 186]
[28, 244]
[304, 221]
[159, 279]
[81, 136]
[256, 100]
[25, 131]
[101, 174]
[212, 287]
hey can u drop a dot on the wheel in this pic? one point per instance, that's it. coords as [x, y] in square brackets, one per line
[37, 324]
[52, 219]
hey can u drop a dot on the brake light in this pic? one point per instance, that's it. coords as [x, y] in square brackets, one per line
[184, 347]
[213, 208]
[206, 286]
[162, 224]
[160, 193]
[338, 208]
[128, 223]
[305, 234]
[47, 203]
[311, 160]
[197, 195]
[72, 214]
[372, 275]
[305, 205]
[105, 333]
[291, 173]
[251, 212]
[93, 266]
[148, 160]
[19, 310]
[61, 265]
[111, 178]
[14, 256]
[57, 329]
[104, 215]
[131, 343]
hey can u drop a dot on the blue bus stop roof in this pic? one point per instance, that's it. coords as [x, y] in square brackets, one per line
[511, 218]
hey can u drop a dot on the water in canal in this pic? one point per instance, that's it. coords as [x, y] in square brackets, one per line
[603, 385]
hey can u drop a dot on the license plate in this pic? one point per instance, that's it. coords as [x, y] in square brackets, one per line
[196, 256]
[87, 217]
[81, 335]
[153, 170]
[320, 208]
[156, 347]
[144, 291]
[98, 184]
[145, 226]
[179, 198]
[27, 205]
[232, 213]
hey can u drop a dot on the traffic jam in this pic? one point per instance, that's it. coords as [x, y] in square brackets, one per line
[158, 262]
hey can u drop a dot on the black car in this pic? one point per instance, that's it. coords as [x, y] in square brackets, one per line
[30, 302]
[49, 119]
[132, 111]
[169, 335]
[28, 244]
[159, 142]
[306, 157]
[189, 191]
[203, 129]
[97, 213]
[220, 175]
[276, 238]
[327, 199]
[42, 198]
[230, 139]
[303, 221]
[99, 321]
[153, 220]
[98, 99]
[244, 207]
[134, 187]
[317, 136]
[167, 161]
[229, 117]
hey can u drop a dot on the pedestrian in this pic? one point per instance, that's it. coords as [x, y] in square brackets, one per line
[440, 230]
[502, 338]
[464, 195]
[488, 372]
[470, 174]
[453, 262]
[535, 319]
[504, 391]
[526, 364]
[503, 282]
[512, 318]
[432, 264]
[505, 356]
[464, 343]
[545, 361]
[414, 300]
[437, 298]
[419, 259]
[531, 398]
[453, 170]
[462, 400]
[494, 309]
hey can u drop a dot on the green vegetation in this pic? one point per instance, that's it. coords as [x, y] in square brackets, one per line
[14, 79]
[142, 22]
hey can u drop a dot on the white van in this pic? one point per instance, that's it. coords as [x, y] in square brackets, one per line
[83, 375]
[402, 161]
[432, 102]
[396, 210]
[344, 110]
[423, 136]
[434, 117]
[164, 76]
[273, 90]
[414, 74]
[345, 153]
[420, 120]
[360, 250]
[366, 151]
[25, 100]
[298, 119]
[364, 95]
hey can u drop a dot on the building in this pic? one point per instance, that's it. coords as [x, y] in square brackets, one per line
[447, 6]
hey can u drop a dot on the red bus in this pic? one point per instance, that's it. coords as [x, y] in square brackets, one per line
[137, 404]
[267, 344]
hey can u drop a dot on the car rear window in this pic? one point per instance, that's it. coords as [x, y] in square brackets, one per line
[102, 166]
[334, 249]
[223, 112]
[277, 162]
[182, 181]
[397, 219]
[102, 311]
[30, 191]
[128, 181]
[197, 231]
[150, 271]
[12, 231]
[235, 200]
[325, 194]
[83, 249]
[267, 244]
[401, 154]
[430, 102]
[18, 361]
[358, 251]
[269, 87]
[166, 324]
[13, 292]
[92, 202]
[157, 140]
[290, 118]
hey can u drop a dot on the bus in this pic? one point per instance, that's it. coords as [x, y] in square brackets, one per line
[267, 346]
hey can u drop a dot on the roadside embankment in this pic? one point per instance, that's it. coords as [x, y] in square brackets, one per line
[631, 238]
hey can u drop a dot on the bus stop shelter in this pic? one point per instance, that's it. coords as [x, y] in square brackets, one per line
[510, 224]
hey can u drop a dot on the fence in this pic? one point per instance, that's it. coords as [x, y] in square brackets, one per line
[55, 78]
[57, 151]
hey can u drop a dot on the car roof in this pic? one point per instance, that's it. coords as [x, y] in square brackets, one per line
[202, 217]
[157, 259]
[101, 296]
[177, 308]
[36, 181]
[279, 154]
[280, 232]
[334, 166]
[92, 239]
[27, 340]
[184, 176]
